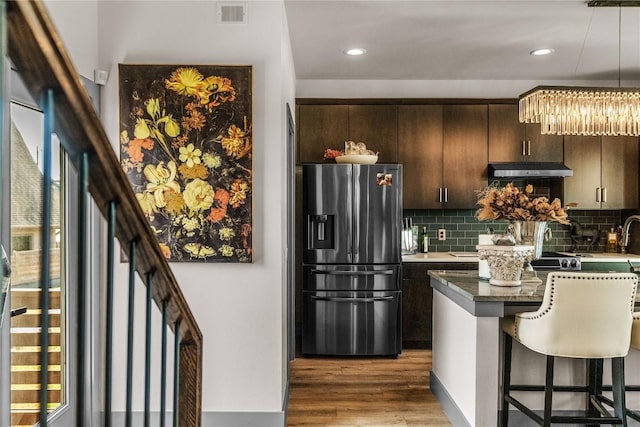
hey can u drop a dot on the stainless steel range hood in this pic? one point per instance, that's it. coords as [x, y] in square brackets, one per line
[530, 170]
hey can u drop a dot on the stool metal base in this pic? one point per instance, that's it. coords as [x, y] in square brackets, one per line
[596, 413]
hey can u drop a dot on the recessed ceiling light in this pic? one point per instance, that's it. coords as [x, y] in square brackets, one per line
[356, 51]
[541, 52]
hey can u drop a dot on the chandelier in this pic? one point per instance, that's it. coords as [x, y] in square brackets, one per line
[582, 110]
[591, 111]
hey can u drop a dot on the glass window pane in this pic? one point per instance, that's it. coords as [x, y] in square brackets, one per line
[26, 229]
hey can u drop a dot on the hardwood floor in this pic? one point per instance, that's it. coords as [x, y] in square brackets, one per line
[364, 392]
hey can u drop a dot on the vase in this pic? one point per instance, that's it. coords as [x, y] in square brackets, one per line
[533, 233]
[506, 263]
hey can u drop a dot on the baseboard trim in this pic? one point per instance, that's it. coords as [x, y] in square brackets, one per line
[285, 402]
[453, 412]
[212, 419]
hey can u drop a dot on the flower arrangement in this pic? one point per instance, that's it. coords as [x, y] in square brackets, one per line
[331, 154]
[186, 147]
[514, 205]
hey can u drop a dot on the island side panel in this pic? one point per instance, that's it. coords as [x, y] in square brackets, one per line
[465, 360]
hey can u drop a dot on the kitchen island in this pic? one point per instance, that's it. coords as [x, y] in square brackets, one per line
[467, 342]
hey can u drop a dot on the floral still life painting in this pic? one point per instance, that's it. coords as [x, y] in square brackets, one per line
[186, 147]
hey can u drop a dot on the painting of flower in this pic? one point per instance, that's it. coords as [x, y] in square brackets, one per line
[186, 146]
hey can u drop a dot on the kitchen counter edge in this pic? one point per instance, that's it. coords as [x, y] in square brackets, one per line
[468, 257]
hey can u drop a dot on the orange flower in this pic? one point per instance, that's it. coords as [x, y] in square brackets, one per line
[220, 202]
[246, 229]
[219, 88]
[165, 250]
[236, 144]
[239, 190]
[194, 121]
[135, 148]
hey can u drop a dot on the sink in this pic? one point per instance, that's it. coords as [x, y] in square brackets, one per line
[464, 254]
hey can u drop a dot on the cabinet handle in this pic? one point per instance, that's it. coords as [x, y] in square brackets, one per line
[440, 195]
[604, 194]
[524, 152]
[529, 147]
[598, 194]
[446, 194]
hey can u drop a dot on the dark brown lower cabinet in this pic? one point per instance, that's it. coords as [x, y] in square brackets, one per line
[417, 297]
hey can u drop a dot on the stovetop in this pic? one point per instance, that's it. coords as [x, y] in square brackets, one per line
[557, 261]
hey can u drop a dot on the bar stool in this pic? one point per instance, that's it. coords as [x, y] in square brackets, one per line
[583, 316]
[635, 343]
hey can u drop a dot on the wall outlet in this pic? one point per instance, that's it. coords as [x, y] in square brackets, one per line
[442, 234]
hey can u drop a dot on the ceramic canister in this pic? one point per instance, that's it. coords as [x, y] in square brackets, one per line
[483, 265]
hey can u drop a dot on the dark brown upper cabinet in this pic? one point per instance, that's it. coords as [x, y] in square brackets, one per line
[420, 152]
[464, 154]
[329, 126]
[512, 141]
[443, 150]
[605, 172]
[376, 126]
[321, 127]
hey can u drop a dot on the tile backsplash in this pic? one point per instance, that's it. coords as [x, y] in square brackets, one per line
[463, 229]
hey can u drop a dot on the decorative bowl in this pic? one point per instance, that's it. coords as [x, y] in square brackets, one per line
[358, 159]
[505, 262]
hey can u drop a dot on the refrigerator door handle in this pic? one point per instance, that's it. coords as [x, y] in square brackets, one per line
[352, 273]
[352, 300]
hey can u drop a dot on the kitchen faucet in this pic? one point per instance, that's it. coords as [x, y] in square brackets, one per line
[625, 229]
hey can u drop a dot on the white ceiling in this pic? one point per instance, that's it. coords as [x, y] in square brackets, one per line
[463, 40]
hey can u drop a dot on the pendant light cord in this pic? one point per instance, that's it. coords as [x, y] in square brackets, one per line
[619, 42]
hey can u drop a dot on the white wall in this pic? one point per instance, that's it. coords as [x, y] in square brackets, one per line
[77, 23]
[239, 307]
[288, 97]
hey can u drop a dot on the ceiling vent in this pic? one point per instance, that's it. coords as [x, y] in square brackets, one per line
[232, 13]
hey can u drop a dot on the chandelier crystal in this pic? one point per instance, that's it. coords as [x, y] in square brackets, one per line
[582, 110]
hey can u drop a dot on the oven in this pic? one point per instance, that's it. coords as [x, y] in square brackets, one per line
[557, 261]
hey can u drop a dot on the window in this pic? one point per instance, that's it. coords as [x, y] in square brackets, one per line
[21, 243]
[26, 243]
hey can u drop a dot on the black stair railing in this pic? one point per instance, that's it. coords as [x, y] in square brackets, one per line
[36, 51]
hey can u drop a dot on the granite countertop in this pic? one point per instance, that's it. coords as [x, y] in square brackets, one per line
[481, 299]
[473, 257]
[467, 283]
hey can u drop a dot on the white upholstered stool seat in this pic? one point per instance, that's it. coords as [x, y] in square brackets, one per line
[635, 343]
[583, 315]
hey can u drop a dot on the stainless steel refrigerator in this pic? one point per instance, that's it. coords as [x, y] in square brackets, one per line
[351, 294]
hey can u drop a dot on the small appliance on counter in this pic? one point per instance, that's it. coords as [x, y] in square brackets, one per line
[553, 261]
[352, 229]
